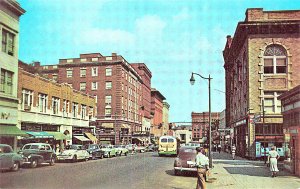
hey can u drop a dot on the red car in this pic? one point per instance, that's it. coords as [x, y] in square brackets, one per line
[185, 161]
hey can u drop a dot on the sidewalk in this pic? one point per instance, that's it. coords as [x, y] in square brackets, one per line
[247, 174]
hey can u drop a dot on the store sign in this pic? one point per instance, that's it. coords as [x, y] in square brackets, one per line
[293, 131]
[240, 122]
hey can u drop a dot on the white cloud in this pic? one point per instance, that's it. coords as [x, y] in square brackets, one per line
[150, 25]
[182, 15]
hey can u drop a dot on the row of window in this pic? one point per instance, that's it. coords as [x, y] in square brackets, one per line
[94, 85]
[94, 72]
[268, 129]
[27, 102]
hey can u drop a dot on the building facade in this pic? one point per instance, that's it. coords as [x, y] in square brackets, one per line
[117, 87]
[54, 112]
[290, 102]
[200, 125]
[10, 12]
[261, 62]
[165, 127]
[157, 111]
[184, 133]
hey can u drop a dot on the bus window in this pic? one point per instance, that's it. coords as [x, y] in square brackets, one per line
[170, 140]
[164, 140]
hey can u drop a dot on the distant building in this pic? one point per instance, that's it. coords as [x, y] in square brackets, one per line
[200, 125]
[10, 12]
[184, 133]
[165, 127]
[290, 102]
[262, 61]
[157, 111]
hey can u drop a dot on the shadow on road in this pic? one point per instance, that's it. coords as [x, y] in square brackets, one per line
[183, 174]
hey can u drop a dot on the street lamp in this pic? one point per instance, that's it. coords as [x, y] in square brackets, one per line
[192, 80]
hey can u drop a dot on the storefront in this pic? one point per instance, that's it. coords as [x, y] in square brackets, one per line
[9, 134]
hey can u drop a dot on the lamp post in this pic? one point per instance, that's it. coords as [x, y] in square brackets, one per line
[192, 80]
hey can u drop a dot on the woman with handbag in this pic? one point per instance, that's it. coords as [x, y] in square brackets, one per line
[272, 159]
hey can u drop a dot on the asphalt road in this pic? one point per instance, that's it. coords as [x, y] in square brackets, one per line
[141, 171]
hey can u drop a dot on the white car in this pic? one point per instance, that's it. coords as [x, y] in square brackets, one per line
[73, 153]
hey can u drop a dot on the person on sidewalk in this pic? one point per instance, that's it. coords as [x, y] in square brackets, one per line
[233, 151]
[272, 159]
[202, 167]
[219, 148]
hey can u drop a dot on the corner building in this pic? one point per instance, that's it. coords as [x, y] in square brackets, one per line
[262, 60]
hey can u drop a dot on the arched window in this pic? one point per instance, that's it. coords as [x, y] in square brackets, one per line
[275, 61]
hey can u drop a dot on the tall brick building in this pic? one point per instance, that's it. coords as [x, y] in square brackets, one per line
[200, 125]
[262, 61]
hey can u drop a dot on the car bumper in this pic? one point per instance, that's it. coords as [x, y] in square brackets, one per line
[189, 169]
[64, 157]
[167, 153]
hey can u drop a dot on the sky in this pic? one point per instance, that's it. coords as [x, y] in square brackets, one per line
[172, 37]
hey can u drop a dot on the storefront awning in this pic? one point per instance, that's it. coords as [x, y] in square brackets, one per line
[11, 131]
[125, 126]
[91, 137]
[82, 138]
[39, 134]
[107, 125]
[57, 135]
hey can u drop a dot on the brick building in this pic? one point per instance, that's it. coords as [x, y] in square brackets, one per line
[117, 87]
[157, 111]
[291, 125]
[145, 108]
[10, 12]
[200, 125]
[53, 112]
[261, 62]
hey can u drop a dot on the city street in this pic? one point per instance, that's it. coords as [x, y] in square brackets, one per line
[146, 170]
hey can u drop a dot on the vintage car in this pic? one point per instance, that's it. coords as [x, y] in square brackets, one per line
[94, 151]
[131, 147]
[35, 154]
[121, 150]
[108, 150]
[185, 161]
[73, 153]
[9, 160]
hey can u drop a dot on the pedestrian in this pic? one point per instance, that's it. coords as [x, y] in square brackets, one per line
[219, 148]
[233, 151]
[202, 168]
[272, 159]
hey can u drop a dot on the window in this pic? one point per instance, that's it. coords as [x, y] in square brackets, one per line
[8, 42]
[95, 71]
[108, 99]
[82, 72]
[55, 105]
[108, 85]
[271, 102]
[107, 110]
[275, 61]
[74, 109]
[94, 85]
[54, 77]
[82, 86]
[66, 108]
[69, 73]
[27, 99]
[6, 84]
[83, 111]
[91, 110]
[108, 71]
[43, 98]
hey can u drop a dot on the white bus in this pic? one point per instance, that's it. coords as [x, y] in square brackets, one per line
[168, 145]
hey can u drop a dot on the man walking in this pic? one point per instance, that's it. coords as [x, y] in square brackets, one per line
[202, 166]
[233, 151]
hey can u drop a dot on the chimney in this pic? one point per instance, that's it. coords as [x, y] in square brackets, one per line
[113, 54]
[229, 40]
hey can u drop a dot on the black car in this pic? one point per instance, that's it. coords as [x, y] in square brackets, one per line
[36, 153]
[94, 151]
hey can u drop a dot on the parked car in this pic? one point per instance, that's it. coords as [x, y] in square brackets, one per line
[108, 151]
[94, 151]
[140, 149]
[185, 161]
[151, 148]
[130, 147]
[73, 153]
[121, 149]
[9, 160]
[35, 154]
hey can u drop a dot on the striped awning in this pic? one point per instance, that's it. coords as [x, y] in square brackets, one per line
[91, 137]
[39, 134]
[82, 138]
[125, 126]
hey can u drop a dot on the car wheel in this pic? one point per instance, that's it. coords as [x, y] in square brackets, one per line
[93, 156]
[176, 172]
[74, 159]
[52, 161]
[16, 166]
[34, 163]
[101, 156]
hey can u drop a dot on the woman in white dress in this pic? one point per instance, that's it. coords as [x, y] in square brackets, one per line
[272, 159]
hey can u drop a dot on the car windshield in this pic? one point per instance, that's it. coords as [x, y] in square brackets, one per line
[72, 147]
[187, 153]
[33, 146]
